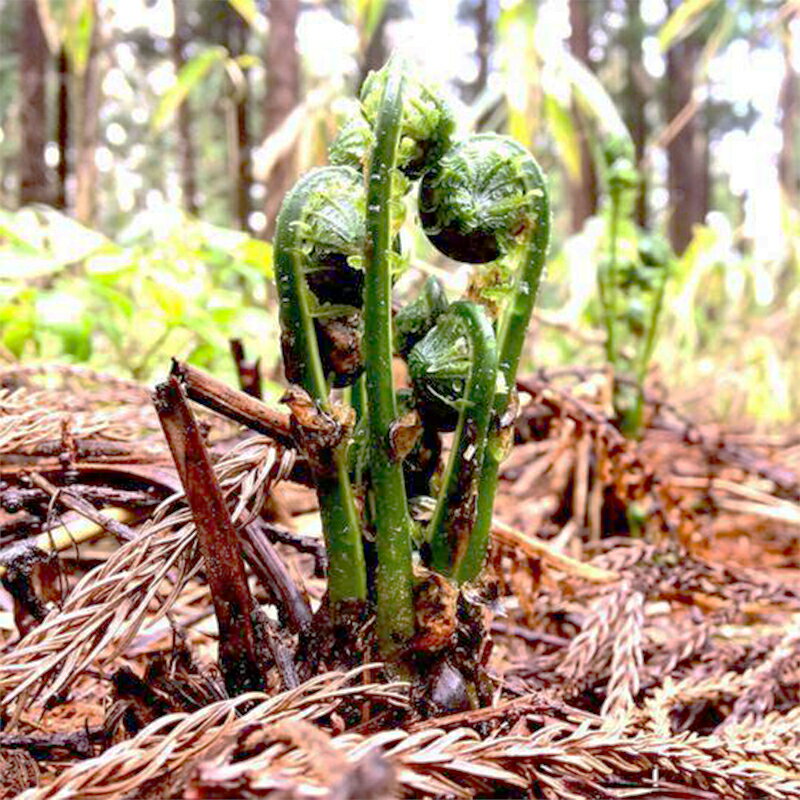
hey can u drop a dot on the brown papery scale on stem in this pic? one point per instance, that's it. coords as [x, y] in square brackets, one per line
[318, 433]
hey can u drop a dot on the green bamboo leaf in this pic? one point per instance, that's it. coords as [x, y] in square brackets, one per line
[190, 76]
[682, 21]
[68, 24]
[366, 15]
[248, 60]
[375, 10]
[593, 97]
[248, 11]
[565, 135]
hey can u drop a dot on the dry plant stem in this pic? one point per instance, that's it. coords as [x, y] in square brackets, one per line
[395, 612]
[84, 508]
[265, 562]
[139, 582]
[218, 540]
[538, 548]
[56, 746]
[239, 406]
[248, 371]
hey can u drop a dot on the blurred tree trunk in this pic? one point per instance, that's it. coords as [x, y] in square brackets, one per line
[687, 184]
[787, 164]
[583, 191]
[283, 94]
[33, 59]
[62, 129]
[704, 146]
[88, 120]
[635, 98]
[241, 169]
[376, 52]
[477, 15]
[181, 35]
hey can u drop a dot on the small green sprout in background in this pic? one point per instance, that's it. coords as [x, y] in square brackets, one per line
[631, 288]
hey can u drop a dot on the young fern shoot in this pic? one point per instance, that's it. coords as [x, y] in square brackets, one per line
[482, 200]
[487, 200]
[305, 244]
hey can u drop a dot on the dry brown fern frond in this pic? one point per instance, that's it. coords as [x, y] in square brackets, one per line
[105, 610]
[627, 661]
[165, 747]
[766, 680]
[212, 753]
[31, 418]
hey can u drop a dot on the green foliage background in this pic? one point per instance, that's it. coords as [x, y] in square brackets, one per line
[152, 282]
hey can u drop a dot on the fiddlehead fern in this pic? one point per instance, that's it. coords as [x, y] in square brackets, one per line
[427, 124]
[477, 202]
[321, 236]
[353, 143]
[417, 317]
[316, 233]
[481, 200]
[487, 199]
[395, 613]
[466, 337]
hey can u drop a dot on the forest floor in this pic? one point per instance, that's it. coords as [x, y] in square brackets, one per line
[644, 613]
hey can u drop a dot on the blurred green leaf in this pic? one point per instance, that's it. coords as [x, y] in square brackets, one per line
[565, 135]
[44, 232]
[682, 22]
[248, 11]
[248, 60]
[595, 100]
[16, 334]
[255, 253]
[190, 76]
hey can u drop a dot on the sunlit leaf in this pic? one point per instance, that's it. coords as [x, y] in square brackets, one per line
[248, 11]
[17, 265]
[565, 135]
[43, 240]
[170, 301]
[16, 334]
[190, 76]
[682, 22]
[593, 98]
[257, 253]
[248, 60]
[375, 9]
